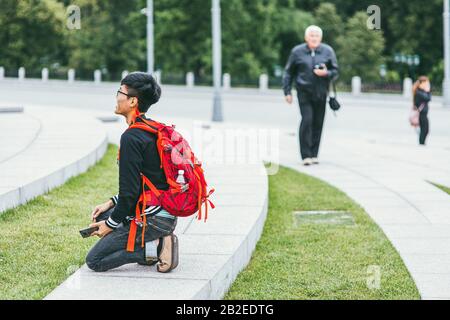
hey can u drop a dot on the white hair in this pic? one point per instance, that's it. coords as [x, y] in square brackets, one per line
[313, 29]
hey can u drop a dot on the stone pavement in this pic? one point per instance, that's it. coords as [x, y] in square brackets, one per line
[41, 149]
[211, 254]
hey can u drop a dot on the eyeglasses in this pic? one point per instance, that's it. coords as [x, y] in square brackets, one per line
[126, 94]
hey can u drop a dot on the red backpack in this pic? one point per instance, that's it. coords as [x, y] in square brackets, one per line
[175, 154]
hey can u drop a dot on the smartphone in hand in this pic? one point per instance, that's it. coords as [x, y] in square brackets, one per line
[86, 233]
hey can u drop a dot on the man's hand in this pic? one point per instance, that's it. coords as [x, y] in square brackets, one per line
[288, 99]
[321, 72]
[98, 210]
[103, 229]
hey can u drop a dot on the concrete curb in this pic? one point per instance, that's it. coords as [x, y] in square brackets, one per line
[50, 176]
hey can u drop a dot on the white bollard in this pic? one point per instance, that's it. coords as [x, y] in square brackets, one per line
[97, 76]
[407, 88]
[71, 75]
[44, 74]
[226, 81]
[190, 80]
[21, 74]
[263, 82]
[157, 76]
[124, 73]
[356, 86]
[2, 73]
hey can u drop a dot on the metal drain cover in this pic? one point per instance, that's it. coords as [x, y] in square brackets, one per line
[323, 217]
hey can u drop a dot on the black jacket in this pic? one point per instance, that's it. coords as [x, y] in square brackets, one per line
[300, 67]
[138, 154]
[422, 98]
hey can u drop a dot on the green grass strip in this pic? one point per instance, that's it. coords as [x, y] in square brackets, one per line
[39, 242]
[312, 261]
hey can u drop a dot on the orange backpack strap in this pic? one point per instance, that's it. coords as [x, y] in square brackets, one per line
[133, 228]
[153, 127]
[144, 127]
[138, 212]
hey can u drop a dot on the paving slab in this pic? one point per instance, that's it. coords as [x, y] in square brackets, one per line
[40, 151]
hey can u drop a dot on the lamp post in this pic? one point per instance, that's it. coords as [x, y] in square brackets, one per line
[150, 38]
[217, 61]
[446, 84]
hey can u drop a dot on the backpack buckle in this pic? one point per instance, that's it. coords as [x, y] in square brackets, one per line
[139, 223]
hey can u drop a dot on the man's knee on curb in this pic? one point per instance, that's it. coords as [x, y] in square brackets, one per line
[94, 263]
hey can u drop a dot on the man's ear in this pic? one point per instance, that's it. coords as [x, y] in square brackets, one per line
[134, 102]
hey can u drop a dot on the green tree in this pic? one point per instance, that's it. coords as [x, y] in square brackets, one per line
[331, 23]
[31, 34]
[414, 27]
[360, 50]
[183, 36]
[250, 46]
[290, 29]
[111, 38]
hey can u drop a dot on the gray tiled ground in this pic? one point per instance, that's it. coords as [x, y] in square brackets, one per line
[40, 152]
[212, 253]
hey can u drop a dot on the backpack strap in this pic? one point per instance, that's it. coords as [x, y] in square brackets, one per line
[203, 198]
[141, 220]
[333, 83]
[152, 127]
[137, 221]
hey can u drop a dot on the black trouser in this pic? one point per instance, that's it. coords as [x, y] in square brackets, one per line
[111, 251]
[424, 126]
[312, 109]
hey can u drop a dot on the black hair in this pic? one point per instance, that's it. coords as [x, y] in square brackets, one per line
[143, 86]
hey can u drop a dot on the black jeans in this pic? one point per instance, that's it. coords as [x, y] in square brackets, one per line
[424, 126]
[312, 109]
[110, 252]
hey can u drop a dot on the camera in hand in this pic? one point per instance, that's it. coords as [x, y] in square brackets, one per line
[86, 233]
[319, 66]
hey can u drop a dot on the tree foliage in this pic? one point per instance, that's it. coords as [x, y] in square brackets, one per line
[257, 35]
